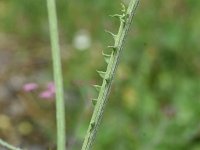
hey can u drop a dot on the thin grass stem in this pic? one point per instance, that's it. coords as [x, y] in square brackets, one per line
[8, 146]
[57, 70]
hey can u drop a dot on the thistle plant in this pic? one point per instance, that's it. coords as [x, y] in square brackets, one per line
[112, 59]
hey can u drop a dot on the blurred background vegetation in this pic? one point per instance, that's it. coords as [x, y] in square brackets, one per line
[155, 100]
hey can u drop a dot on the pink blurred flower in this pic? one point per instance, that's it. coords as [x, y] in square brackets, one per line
[47, 94]
[28, 87]
[51, 87]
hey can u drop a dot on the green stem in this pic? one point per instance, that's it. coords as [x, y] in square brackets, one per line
[8, 146]
[125, 23]
[60, 106]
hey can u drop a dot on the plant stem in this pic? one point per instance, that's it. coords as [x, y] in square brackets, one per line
[125, 22]
[8, 146]
[57, 69]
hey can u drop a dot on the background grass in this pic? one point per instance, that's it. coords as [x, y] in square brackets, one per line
[155, 100]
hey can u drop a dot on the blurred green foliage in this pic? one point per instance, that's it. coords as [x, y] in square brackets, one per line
[155, 100]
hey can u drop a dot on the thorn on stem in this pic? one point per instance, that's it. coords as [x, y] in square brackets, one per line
[107, 79]
[112, 34]
[116, 15]
[123, 7]
[92, 126]
[101, 73]
[113, 47]
[106, 57]
[97, 87]
[94, 101]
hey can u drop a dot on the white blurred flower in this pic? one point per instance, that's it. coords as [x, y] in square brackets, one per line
[82, 40]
